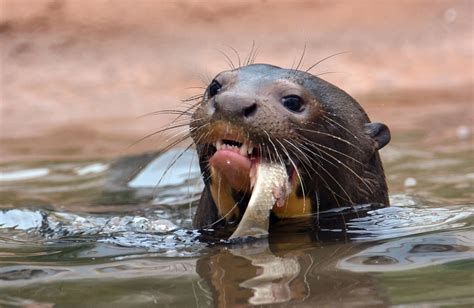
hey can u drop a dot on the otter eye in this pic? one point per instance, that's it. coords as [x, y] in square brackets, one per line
[293, 103]
[214, 88]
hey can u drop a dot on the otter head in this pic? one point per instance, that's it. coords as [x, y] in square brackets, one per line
[263, 113]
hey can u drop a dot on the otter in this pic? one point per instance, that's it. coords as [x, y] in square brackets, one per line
[264, 113]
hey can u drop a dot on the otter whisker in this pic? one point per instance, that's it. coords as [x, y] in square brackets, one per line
[270, 156]
[227, 214]
[228, 60]
[297, 173]
[160, 131]
[324, 59]
[199, 128]
[177, 112]
[335, 197]
[254, 57]
[318, 202]
[219, 185]
[319, 145]
[181, 119]
[276, 150]
[342, 164]
[192, 106]
[301, 58]
[327, 73]
[283, 164]
[236, 53]
[175, 159]
[309, 158]
[320, 165]
[186, 110]
[340, 125]
[177, 121]
[293, 64]
[195, 186]
[306, 157]
[175, 142]
[316, 146]
[167, 112]
[170, 165]
[157, 132]
[205, 79]
[332, 150]
[186, 132]
[320, 155]
[329, 135]
[249, 57]
[196, 87]
[193, 98]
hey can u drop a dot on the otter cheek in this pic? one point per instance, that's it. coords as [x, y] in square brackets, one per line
[233, 168]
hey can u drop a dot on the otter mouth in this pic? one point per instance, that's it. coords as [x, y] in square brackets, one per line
[247, 179]
[246, 168]
[236, 159]
[244, 148]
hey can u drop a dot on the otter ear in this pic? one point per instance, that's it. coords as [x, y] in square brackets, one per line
[379, 132]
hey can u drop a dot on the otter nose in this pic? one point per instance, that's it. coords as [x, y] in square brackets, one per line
[233, 105]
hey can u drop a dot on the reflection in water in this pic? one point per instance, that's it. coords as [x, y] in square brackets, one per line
[298, 269]
[282, 272]
[273, 279]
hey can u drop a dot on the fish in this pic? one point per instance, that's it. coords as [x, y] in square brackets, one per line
[271, 188]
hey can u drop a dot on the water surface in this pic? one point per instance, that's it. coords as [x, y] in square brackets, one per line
[110, 233]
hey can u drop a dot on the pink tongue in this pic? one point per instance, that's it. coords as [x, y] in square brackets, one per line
[233, 167]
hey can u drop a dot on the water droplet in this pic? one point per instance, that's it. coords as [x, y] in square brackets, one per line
[410, 182]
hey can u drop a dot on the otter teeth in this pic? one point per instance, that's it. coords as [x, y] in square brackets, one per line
[250, 150]
[245, 149]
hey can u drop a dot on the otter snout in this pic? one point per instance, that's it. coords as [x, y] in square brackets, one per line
[235, 106]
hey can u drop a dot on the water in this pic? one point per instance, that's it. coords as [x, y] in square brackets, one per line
[99, 233]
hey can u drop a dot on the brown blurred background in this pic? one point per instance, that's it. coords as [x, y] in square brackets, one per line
[77, 74]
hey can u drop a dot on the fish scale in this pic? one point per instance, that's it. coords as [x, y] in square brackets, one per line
[255, 221]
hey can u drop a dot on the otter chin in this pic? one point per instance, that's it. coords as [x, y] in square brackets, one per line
[263, 115]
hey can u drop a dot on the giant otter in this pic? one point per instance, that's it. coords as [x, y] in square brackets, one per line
[264, 113]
